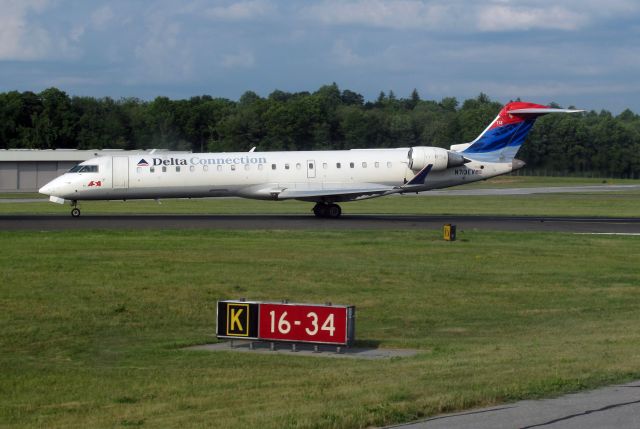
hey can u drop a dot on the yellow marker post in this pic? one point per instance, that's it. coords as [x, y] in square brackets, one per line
[449, 232]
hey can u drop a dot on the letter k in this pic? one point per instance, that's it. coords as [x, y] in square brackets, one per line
[235, 319]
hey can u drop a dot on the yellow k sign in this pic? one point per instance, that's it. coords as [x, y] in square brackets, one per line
[235, 319]
[238, 319]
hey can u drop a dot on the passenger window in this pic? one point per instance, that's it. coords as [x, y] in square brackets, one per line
[364, 165]
[377, 164]
[233, 168]
[138, 170]
[324, 165]
[164, 169]
[286, 166]
[219, 168]
[351, 164]
[337, 165]
[177, 169]
[192, 168]
[246, 167]
[298, 166]
[152, 169]
[311, 166]
[273, 166]
[260, 167]
[205, 167]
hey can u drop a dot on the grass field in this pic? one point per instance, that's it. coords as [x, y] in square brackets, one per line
[93, 324]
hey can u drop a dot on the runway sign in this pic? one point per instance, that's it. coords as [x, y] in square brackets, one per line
[237, 319]
[300, 323]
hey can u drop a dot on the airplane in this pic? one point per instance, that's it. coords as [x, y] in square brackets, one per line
[321, 177]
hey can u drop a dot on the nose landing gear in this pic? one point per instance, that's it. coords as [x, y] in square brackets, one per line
[75, 211]
[327, 210]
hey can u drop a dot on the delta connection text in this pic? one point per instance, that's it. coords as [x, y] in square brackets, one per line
[196, 160]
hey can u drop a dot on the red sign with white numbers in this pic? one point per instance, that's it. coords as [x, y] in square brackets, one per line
[304, 323]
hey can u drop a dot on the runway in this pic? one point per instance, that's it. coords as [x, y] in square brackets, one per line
[609, 407]
[630, 226]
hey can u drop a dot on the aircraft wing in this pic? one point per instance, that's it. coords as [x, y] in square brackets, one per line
[336, 191]
[346, 192]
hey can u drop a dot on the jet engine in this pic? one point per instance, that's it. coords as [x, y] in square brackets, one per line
[441, 159]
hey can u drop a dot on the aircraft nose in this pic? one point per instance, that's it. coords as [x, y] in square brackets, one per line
[46, 189]
[50, 188]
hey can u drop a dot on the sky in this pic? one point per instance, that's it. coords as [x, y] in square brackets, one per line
[583, 53]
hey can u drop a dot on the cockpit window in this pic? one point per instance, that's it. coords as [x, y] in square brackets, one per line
[84, 169]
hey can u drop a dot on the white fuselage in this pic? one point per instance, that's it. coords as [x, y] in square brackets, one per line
[260, 175]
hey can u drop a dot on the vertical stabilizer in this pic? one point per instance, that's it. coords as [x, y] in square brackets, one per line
[502, 139]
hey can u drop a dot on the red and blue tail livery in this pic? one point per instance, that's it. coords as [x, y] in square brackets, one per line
[500, 141]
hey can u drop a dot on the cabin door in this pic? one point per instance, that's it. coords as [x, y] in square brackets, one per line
[120, 172]
[311, 169]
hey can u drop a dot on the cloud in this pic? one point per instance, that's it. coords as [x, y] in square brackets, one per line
[551, 90]
[239, 60]
[240, 11]
[504, 17]
[378, 13]
[101, 17]
[20, 40]
[26, 34]
[163, 56]
[466, 17]
[344, 55]
[77, 32]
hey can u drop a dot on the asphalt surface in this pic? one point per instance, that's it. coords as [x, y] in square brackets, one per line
[533, 190]
[610, 407]
[302, 222]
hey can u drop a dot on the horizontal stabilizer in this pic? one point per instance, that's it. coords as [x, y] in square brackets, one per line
[541, 111]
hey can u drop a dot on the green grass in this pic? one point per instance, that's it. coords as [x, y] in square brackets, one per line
[19, 195]
[93, 324]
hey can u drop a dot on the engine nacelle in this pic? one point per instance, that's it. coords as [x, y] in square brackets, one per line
[441, 159]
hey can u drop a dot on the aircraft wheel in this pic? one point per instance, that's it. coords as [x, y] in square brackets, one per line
[334, 211]
[75, 212]
[320, 210]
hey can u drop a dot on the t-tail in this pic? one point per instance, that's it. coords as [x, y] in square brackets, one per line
[502, 139]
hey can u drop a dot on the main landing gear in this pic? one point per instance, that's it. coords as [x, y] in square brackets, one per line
[327, 210]
[75, 211]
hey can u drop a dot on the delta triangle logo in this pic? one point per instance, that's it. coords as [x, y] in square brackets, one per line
[143, 163]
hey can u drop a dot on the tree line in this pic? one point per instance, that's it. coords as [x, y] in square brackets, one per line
[328, 118]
